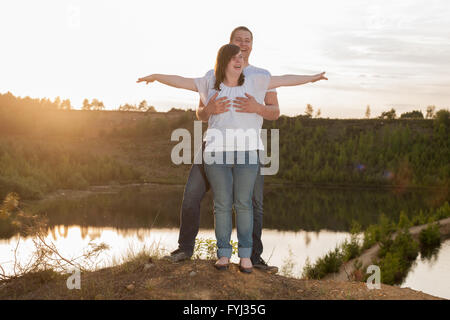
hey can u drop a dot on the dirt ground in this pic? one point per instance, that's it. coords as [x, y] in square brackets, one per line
[194, 279]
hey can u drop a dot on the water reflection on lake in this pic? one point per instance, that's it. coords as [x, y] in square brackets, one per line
[299, 223]
[431, 275]
[285, 208]
[279, 246]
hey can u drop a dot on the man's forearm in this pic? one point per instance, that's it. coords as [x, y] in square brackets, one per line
[203, 113]
[269, 112]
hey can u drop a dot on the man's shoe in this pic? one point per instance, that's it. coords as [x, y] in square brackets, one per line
[262, 265]
[177, 256]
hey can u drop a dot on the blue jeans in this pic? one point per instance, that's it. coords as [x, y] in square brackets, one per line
[196, 187]
[258, 196]
[233, 184]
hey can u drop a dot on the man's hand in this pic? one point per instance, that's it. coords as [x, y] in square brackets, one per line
[147, 79]
[247, 105]
[320, 76]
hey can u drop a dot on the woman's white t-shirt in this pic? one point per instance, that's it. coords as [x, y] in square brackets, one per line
[231, 130]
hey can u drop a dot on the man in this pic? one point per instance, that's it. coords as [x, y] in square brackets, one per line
[197, 184]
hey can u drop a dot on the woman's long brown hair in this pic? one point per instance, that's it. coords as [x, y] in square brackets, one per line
[226, 52]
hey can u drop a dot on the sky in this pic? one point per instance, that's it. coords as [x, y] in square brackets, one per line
[386, 54]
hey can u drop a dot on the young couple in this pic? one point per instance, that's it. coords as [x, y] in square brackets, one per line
[234, 99]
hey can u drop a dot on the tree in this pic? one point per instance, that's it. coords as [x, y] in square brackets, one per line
[309, 110]
[94, 103]
[46, 103]
[416, 114]
[143, 106]
[388, 114]
[151, 109]
[175, 110]
[57, 102]
[443, 117]
[127, 107]
[86, 105]
[65, 105]
[368, 111]
[318, 113]
[97, 105]
[430, 112]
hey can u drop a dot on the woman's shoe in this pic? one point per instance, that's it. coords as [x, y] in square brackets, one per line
[245, 269]
[222, 266]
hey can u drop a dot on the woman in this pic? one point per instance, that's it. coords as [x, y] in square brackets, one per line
[232, 141]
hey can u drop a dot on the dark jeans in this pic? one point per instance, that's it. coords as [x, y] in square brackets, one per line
[196, 187]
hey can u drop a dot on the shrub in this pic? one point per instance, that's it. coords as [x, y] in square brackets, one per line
[416, 114]
[351, 249]
[419, 219]
[430, 237]
[371, 236]
[442, 117]
[390, 267]
[288, 265]
[404, 222]
[207, 248]
[442, 212]
[330, 263]
[405, 245]
[397, 256]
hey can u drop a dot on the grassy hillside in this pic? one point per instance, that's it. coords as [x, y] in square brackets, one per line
[148, 277]
[43, 149]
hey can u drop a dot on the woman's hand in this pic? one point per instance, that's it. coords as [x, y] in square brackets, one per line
[247, 105]
[320, 76]
[218, 106]
[147, 79]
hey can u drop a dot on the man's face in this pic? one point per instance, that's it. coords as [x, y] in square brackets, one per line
[243, 39]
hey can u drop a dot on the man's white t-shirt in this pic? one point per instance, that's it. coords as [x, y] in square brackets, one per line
[231, 130]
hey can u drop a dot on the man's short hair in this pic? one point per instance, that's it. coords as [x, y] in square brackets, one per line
[241, 28]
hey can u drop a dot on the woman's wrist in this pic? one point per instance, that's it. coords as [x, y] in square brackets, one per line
[207, 110]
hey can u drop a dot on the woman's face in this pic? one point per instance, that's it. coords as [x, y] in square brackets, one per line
[236, 65]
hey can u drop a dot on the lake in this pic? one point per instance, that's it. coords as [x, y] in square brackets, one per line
[299, 224]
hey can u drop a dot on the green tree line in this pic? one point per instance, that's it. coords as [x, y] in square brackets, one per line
[33, 169]
[369, 152]
[376, 152]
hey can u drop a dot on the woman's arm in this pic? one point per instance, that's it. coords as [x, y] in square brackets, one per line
[171, 80]
[294, 80]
